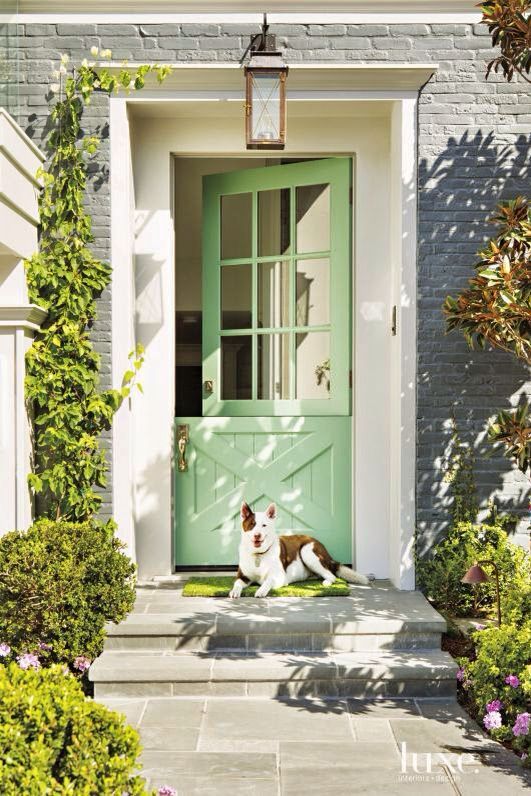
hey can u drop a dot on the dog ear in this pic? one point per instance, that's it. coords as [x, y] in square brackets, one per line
[271, 512]
[246, 511]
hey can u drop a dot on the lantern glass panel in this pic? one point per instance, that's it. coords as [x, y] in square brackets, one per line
[265, 110]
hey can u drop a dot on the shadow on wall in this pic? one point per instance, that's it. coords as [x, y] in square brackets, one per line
[458, 192]
[150, 515]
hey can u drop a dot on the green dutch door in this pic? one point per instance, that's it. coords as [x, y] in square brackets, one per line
[276, 422]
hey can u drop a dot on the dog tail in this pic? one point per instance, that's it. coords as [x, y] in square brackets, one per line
[350, 576]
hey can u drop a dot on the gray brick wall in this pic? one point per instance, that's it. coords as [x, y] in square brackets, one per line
[474, 144]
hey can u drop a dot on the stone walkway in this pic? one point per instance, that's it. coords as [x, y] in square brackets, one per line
[215, 746]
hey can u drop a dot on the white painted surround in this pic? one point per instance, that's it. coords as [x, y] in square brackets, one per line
[19, 187]
[378, 129]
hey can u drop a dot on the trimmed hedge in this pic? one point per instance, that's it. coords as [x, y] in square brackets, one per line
[53, 739]
[501, 673]
[60, 582]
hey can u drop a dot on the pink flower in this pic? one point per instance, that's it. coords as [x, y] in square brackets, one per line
[512, 680]
[493, 706]
[460, 674]
[44, 647]
[28, 661]
[5, 650]
[167, 790]
[521, 725]
[493, 720]
[81, 663]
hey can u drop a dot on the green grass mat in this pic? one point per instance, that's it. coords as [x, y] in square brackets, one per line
[221, 586]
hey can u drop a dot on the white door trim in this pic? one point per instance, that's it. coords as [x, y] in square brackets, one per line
[140, 515]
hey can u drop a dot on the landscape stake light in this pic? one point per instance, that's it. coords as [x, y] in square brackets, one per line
[265, 93]
[476, 574]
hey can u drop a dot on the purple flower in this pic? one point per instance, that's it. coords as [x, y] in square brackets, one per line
[167, 790]
[460, 674]
[493, 720]
[44, 647]
[521, 725]
[5, 650]
[493, 706]
[81, 663]
[512, 680]
[28, 661]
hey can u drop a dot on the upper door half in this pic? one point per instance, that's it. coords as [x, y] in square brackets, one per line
[276, 290]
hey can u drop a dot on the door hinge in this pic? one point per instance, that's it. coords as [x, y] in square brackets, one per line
[350, 379]
[393, 321]
[350, 195]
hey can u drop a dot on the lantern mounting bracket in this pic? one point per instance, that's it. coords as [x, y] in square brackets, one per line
[263, 42]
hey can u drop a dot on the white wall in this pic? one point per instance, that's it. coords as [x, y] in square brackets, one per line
[19, 161]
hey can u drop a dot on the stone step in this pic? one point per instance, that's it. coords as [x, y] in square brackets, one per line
[371, 618]
[285, 631]
[426, 673]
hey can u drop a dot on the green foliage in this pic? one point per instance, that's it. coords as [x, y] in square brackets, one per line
[496, 306]
[439, 577]
[55, 740]
[509, 23]
[64, 277]
[60, 582]
[501, 652]
[512, 430]
[496, 309]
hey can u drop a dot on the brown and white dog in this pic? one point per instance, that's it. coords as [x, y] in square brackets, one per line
[274, 561]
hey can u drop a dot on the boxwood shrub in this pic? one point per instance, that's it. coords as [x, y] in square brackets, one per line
[53, 739]
[497, 684]
[60, 582]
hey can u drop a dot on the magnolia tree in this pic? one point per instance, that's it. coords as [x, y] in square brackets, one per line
[495, 308]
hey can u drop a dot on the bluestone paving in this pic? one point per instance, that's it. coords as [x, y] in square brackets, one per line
[297, 746]
[270, 697]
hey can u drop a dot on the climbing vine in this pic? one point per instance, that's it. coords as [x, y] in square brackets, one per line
[63, 370]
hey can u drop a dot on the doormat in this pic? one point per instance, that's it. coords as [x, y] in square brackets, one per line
[220, 587]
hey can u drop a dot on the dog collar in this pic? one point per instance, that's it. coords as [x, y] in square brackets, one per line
[257, 555]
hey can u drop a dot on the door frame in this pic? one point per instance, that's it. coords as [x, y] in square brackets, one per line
[141, 505]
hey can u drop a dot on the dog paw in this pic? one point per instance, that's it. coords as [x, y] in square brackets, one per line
[327, 582]
[235, 593]
[261, 592]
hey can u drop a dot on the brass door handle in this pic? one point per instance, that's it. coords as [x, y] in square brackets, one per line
[182, 440]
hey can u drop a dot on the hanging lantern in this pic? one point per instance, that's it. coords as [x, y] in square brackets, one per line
[265, 106]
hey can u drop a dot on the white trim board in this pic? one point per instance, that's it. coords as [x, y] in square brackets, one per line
[230, 7]
[308, 77]
[384, 18]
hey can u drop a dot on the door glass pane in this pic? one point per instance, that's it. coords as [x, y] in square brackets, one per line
[313, 292]
[273, 366]
[273, 222]
[313, 218]
[273, 294]
[236, 225]
[265, 122]
[312, 354]
[236, 368]
[236, 296]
